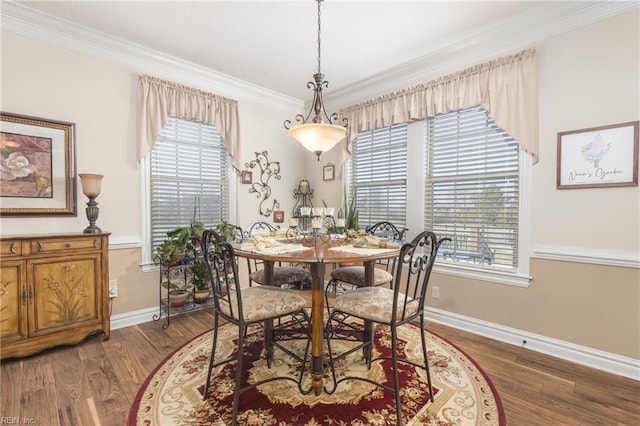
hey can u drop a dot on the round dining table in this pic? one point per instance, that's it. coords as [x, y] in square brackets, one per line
[317, 252]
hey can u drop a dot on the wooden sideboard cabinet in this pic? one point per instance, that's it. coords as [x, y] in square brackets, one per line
[54, 290]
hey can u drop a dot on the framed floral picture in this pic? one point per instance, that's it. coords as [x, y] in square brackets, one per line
[37, 167]
[598, 157]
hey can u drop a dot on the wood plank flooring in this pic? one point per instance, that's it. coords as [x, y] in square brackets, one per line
[95, 382]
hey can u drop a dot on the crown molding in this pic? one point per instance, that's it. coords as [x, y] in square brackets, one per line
[523, 32]
[550, 20]
[31, 23]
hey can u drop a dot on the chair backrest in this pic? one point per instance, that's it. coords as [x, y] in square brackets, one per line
[390, 232]
[387, 230]
[238, 233]
[259, 227]
[414, 265]
[223, 274]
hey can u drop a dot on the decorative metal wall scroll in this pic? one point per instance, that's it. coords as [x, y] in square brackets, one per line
[261, 183]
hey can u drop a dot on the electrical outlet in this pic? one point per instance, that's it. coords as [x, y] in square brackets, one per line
[435, 292]
[113, 288]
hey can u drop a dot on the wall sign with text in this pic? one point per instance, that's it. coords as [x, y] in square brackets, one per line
[598, 157]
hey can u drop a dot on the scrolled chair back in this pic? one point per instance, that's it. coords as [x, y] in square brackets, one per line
[221, 264]
[259, 227]
[387, 230]
[413, 270]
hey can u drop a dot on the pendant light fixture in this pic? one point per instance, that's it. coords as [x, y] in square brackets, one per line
[317, 131]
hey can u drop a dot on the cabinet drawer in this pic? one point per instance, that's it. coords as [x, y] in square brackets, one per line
[9, 248]
[64, 244]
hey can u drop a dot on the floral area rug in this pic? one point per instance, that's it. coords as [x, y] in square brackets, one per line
[172, 394]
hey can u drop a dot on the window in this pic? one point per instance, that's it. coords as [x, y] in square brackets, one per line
[378, 175]
[188, 177]
[472, 196]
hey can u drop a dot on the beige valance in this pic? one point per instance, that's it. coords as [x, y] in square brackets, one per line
[507, 88]
[158, 99]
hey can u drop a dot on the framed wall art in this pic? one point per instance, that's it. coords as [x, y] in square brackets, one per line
[278, 216]
[37, 171]
[328, 172]
[598, 157]
[247, 177]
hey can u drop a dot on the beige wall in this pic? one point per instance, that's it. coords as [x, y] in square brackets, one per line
[588, 77]
[99, 96]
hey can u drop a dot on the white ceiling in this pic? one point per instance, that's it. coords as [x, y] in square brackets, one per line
[273, 44]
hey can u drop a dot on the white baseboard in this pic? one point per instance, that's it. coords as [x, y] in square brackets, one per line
[605, 361]
[128, 319]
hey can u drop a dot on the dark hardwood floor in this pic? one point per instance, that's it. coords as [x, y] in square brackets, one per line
[95, 382]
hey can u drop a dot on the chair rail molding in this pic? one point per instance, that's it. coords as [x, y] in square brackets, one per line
[625, 259]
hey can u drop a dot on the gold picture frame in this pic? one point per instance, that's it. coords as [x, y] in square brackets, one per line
[604, 156]
[41, 177]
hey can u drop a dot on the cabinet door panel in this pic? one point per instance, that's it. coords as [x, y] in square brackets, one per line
[64, 293]
[13, 306]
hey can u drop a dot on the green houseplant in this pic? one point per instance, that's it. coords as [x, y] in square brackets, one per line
[179, 291]
[226, 230]
[179, 241]
[200, 280]
[350, 212]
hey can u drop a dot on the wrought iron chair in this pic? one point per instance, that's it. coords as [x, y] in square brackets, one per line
[391, 307]
[353, 276]
[251, 305]
[283, 276]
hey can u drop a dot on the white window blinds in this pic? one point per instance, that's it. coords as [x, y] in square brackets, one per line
[189, 177]
[471, 191]
[378, 175]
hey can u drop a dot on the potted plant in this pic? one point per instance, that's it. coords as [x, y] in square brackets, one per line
[351, 214]
[226, 230]
[184, 234]
[170, 252]
[200, 281]
[179, 291]
[179, 241]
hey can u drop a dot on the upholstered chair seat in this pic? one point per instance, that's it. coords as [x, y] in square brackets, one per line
[282, 275]
[264, 302]
[375, 304]
[355, 275]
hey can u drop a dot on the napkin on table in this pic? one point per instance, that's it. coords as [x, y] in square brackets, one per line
[374, 242]
[262, 243]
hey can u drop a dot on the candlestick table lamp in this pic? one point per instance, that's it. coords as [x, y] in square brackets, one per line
[91, 188]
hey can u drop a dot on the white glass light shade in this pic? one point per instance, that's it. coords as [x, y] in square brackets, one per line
[91, 184]
[318, 137]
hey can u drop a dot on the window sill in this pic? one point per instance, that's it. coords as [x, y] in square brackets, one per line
[495, 277]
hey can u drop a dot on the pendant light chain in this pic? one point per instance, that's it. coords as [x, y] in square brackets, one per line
[319, 1]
